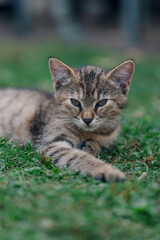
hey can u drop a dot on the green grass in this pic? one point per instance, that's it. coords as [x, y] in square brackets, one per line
[40, 202]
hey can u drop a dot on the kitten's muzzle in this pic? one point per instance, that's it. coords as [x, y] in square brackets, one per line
[87, 120]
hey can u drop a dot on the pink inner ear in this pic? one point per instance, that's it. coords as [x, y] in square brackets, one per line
[127, 78]
[57, 82]
[61, 73]
[124, 72]
[53, 68]
[124, 84]
[129, 71]
[56, 71]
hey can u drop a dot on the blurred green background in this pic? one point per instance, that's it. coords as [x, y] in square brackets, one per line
[40, 202]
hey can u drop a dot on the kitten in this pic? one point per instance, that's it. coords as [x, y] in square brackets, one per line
[73, 125]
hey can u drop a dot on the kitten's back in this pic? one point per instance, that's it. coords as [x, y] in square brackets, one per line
[17, 109]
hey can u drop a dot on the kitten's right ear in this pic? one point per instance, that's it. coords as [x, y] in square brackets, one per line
[122, 74]
[61, 73]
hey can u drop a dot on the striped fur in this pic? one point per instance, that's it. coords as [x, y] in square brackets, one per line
[76, 122]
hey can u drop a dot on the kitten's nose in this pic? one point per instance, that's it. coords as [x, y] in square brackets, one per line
[87, 120]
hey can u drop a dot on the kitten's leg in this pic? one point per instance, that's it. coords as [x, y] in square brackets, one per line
[65, 156]
[90, 147]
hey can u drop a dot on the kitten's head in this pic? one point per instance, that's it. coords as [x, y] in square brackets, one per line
[91, 98]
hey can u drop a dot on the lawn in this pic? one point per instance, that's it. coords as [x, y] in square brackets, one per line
[40, 202]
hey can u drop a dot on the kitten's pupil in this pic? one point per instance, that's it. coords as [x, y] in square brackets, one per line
[101, 103]
[75, 102]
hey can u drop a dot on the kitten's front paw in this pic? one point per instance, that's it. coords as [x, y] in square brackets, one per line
[108, 174]
[90, 147]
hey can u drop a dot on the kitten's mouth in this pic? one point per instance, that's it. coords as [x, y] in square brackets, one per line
[89, 128]
[86, 127]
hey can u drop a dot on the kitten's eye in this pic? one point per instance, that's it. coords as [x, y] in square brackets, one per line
[101, 103]
[75, 102]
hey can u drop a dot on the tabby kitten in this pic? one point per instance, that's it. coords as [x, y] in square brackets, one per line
[73, 125]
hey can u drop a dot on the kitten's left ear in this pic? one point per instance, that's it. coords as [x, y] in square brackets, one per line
[122, 75]
[61, 73]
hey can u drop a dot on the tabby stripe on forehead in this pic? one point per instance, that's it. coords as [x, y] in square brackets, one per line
[89, 79]
[98, 78]
[93, 92]
[92, 75]
[101, 91]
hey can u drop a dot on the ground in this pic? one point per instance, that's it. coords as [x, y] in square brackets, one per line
[40, 202]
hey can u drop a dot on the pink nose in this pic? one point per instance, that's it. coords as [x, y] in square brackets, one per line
[87, 120]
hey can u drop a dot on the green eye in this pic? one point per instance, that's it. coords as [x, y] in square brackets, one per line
[75, 102]
[101, 103]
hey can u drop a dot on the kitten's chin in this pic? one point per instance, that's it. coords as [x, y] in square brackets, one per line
[87, 128]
